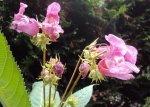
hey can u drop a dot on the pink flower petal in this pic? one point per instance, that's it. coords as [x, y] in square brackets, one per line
[53, 8]
[117, 67]
[117, 44]
[131, 55]
[52, 12]
[52, 30]
[26, 25]
[103, 67]
[120, 70]
[115, 72]
[123, 76]
[59, 29]
[22, 8]
[132, 67]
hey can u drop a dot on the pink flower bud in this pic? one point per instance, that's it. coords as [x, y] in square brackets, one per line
[58, 68]
[84, 68]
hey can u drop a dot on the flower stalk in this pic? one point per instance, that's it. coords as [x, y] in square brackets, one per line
[44, 93]
[74, 72]
[44, 56]
[75, 83]
[55, 93]
[44, 61]
[50, 92]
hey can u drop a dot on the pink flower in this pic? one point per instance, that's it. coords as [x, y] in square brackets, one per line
[58, 68]
[22, 23]
[120, 61]
[84, 68]
[51, 25]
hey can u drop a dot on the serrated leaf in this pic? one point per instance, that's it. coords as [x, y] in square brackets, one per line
[36, 95]
[12, 87]
[84, 95]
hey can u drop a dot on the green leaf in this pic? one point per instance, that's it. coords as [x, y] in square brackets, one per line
[84, 95]
[12, 88]
[122, 9]
[147, 103]
[112, 12]
[36, 95]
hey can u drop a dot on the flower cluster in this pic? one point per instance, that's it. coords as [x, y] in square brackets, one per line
[115, 60]
[89, 63]
[52, 71]
[50, 26]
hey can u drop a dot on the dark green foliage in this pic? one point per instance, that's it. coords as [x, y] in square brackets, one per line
[83, 21]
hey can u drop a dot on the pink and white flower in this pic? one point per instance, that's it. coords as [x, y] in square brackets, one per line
[23, 23]
[120, 61]
[50, 25]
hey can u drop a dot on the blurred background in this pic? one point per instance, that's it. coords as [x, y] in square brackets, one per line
[83, 21]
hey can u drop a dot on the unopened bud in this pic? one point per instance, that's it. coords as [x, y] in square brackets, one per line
[54, 79]
[58, 68]
[71, 101]
[84, 68]
[45, 75]
[96, 76]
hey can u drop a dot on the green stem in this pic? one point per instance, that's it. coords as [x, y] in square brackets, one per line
[62, 99]
[55, 93]
[44, 61]
[50, 92]
[44, 93]
[75, 83]
[44, 56]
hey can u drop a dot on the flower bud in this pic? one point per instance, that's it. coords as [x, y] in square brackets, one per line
[96, 76]
[45, 75]
[58, 68]
[71, 101]
[54, 79]
[84, 68]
